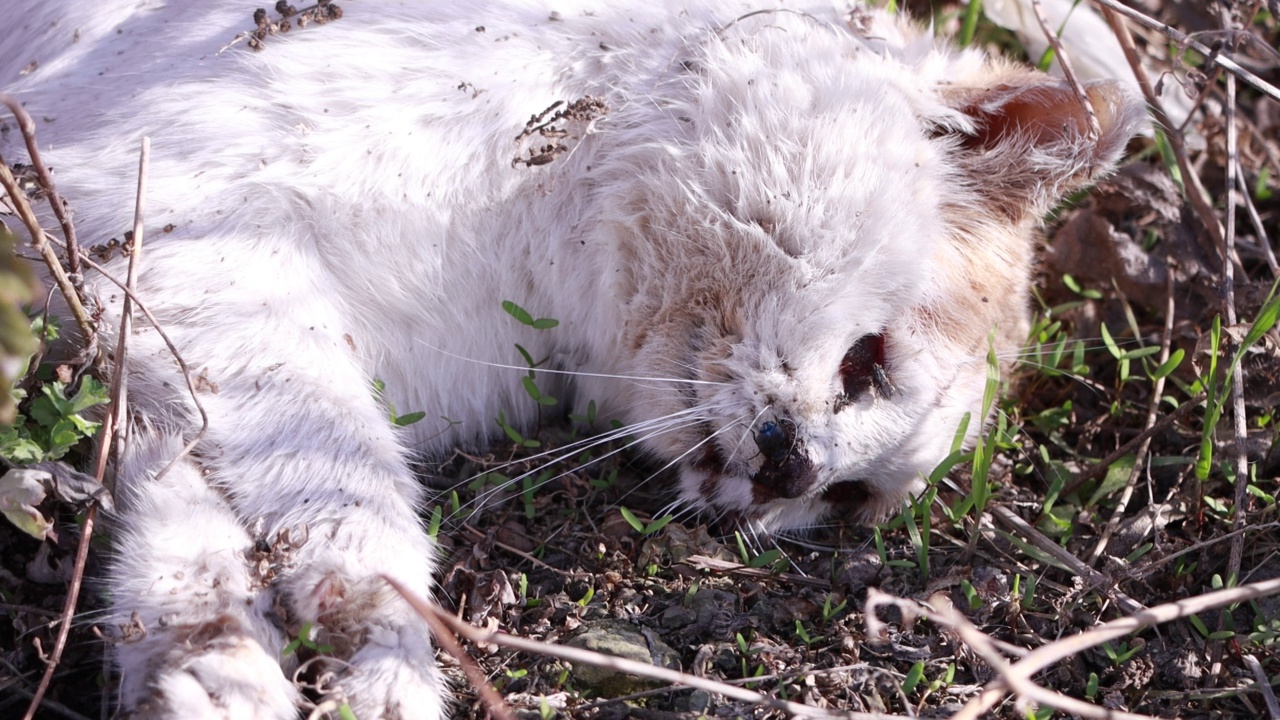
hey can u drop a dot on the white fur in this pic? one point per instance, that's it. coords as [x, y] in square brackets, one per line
[763, 191]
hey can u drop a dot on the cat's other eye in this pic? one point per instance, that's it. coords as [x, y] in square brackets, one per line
[863, 369]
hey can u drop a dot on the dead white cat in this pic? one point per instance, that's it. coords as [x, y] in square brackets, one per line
[777, 244]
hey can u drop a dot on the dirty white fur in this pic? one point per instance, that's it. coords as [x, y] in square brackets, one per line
[763, 191]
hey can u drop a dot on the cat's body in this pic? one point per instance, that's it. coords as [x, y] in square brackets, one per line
[803, 228]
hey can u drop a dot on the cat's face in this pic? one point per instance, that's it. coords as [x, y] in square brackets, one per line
[819, 257]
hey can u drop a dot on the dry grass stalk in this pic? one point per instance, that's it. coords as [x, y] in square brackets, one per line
[434, 615]
[112, 435]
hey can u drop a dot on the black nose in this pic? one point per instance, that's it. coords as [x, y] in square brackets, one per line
[787, 471]
[775, 441]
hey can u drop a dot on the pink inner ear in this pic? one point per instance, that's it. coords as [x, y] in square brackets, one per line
[1044, 114]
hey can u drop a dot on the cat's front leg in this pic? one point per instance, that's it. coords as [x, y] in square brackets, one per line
[193, 636]
[299, 500]
[310, 459]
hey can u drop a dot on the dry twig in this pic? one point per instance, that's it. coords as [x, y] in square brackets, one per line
[1047, 655]
[941, 611]
[1110, 7]
[111, 434]
[28, 128]
[1064, 61]
[428, 611]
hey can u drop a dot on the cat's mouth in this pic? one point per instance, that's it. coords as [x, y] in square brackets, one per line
[791, 477]
[852, 495]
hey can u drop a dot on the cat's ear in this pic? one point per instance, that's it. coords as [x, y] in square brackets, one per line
[1025, 141]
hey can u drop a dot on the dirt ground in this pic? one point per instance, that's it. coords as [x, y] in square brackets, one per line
[1083, 506]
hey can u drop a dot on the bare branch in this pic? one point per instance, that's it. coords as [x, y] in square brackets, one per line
[578, 655]
[1095, 130]
[28, 128]
[1220, 58]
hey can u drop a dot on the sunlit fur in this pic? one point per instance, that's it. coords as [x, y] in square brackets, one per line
[761, 191]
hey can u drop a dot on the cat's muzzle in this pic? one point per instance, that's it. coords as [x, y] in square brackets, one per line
[787, 471]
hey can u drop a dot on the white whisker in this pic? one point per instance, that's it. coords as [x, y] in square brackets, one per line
[574, 373]
[661, 429]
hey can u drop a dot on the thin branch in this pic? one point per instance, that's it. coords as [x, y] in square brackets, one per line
[496, 706]
[1195, 190]
[177, 356]
[1264, 685]
[1047, 655]
[1220, 58]
[1239, 418]
[940, 610]
[1264, 243]
[28, 128]
[1072, 563]
[624, 665]
[1060, 53]
[1146, 570]
[112, 435]
[1100, 468]
[46, 251]
[1153, 413]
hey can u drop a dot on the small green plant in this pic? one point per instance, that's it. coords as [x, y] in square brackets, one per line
[380, 392]
[588, 419]
[605, 482]
[54, 423]
[433, 525]
[971, 595]
[1091, 686]
[1120, 653]
[768, 558]
[913, 678]
[307, 638]
[803, 634]
[1266, 632]
[746, 652]
[645, 529]
[1215, 386]
[513, 434]
[969, 24]
[529, 381]
[829, 612]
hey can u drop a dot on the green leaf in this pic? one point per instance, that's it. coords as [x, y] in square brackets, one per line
[1110, 342]
[765, 558]
[631, 519]
[544, 323]
[1117, 477]
[658, 524]
[408, 419]
[1076, 288]
[528, 359]
[531, 387]
[517, 312]
[969, 24]
[913, 678]
[1175, 359]
[1198, 624]
[1262, 324]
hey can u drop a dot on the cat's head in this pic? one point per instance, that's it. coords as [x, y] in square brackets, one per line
[824, 232]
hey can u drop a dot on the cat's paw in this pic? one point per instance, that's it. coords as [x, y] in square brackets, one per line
[219, 675]
[393, 677]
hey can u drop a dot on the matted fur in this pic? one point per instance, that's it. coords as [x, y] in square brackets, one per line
[739, 199]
